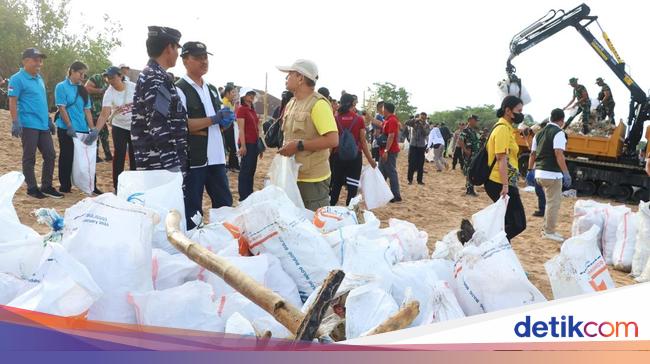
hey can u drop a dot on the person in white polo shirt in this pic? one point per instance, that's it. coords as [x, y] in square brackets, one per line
[205, 118]
[548, 167]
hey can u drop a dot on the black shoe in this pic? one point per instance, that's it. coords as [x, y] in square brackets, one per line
[51, 192]
[410, 183]
[471, 193]
[396, 199]
[108, 158]
[538, 213]
[421, 183]
[99, 160]
[64, 190]
[97, 191]
[36, 193]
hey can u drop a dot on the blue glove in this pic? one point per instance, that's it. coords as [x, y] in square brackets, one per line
[71, 132]
[16, 129]
[92, 137]
[530, 178]
[566, 180]
[224, 117]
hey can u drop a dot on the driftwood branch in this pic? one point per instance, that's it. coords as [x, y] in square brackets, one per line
[400, 320]
[291, 317]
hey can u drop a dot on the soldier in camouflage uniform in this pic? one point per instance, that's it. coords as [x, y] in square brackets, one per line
[159, 122]
[581, 99]
[470, 144]
[606, 99]
[97, 86]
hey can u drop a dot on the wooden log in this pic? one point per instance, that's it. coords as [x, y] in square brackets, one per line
[290, 317]
[400, 320]
[268, 300]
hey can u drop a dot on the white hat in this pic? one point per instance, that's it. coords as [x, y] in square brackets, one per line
[305, 67]
[123, 66]
[244, 90]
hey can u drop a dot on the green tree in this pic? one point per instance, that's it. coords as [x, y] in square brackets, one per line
[44, 24]
[389, 92]
[485, 113]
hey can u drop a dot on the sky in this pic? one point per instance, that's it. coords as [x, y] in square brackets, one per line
[446, 54]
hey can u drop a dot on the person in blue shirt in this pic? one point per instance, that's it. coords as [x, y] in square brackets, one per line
[73, 117]
[31, 122]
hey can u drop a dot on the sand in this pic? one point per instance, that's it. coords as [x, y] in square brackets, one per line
[437, 207]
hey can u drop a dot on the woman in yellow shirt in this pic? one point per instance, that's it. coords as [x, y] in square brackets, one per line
[502, 145]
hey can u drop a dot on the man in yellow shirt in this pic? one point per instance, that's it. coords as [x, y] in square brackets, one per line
[309, 133]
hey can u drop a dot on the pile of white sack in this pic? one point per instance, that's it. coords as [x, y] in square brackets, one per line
[602, 235]
[109, 260]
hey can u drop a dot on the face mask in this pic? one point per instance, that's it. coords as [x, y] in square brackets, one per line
[518, 118]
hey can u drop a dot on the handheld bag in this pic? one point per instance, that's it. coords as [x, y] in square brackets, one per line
[374, 188]
[84, 164]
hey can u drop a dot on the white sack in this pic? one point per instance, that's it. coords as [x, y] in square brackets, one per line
[159, 190]
[413, 242]
[625, 242]
[330, 218]
[112, 238]
[613, 218]
[189, 306]
[295, 241]
[489, 277]
[449, 247]
[642, 247]
[64, 286]
[169, 271]
[365, 308]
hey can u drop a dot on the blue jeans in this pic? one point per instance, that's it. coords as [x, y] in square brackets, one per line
[248, 166]
[541, 197]
[214, 179]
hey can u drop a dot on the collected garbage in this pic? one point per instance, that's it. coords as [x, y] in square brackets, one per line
[106, 260]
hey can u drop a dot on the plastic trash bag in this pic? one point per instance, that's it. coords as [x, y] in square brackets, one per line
[83, 164]
[374, 188]
[283, 173]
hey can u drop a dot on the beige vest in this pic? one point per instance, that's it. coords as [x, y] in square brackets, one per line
[297, 125]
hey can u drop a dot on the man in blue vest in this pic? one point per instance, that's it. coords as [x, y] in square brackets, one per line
[205, 118]
[549, 167]
[31, 123]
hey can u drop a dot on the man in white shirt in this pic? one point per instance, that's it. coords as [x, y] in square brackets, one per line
[117, 104]
[548, 167]
[205, 118]
[438, 143]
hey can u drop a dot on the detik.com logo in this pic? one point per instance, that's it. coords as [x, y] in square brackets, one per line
[568, 326]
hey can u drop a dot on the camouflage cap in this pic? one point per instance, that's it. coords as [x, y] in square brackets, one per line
[573, 80]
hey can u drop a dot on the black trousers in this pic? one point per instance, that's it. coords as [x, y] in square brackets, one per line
[416, 162]
[246, 176]
[66, 158]
[345, 173]
[515, 222]
[458, 157]
[229, 142]
[121, 142]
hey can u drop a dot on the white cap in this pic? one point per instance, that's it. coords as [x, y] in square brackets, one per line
[123, 66]
[305, 67]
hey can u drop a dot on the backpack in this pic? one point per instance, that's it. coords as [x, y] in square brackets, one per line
[479, 172]
[347, 149]
[272, 133]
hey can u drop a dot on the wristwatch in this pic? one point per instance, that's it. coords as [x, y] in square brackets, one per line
[301, 146]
